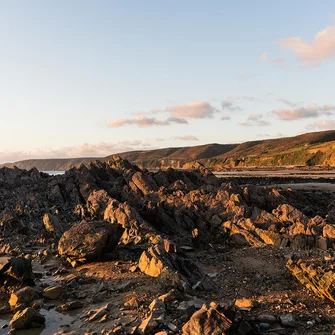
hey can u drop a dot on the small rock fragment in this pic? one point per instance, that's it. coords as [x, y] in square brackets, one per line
[24, 295]
[287, 320]
[52, 292]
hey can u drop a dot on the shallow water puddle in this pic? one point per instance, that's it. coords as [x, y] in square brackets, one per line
[54, 321]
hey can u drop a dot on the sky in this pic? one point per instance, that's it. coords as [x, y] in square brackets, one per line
[86, 78]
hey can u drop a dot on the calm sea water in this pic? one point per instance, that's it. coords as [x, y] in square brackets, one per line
[54, 173]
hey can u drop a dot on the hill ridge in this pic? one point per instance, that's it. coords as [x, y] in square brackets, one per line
[309, 149]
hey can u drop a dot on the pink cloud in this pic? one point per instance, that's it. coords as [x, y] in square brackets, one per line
[225, 118]
[255, 120]
[255, 117]
[264, 57]
[322, 125]
[144, 122]
[100, 149]
[186, 138]
[297, 113]
[320, 49]
[192, 110]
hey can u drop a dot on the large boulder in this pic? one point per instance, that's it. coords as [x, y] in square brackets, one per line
[89, 240]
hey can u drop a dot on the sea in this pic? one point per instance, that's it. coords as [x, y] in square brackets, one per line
[54, 173]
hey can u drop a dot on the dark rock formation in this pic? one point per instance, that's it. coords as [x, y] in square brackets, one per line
[17, 268]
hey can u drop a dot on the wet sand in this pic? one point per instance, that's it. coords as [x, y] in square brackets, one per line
[310, 186]
[294, 173]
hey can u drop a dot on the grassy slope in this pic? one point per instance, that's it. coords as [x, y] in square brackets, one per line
[306, 150]
[176, 157]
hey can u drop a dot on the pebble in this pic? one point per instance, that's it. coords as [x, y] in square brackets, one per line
[245, 304]
[267, 318]
[52, 292]
[264, 326]
[287, 320]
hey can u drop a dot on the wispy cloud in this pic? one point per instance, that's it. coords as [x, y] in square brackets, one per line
[234, 98]
[251, 99]
[193, 110]
[228, 105]
[262, 135]
[144, 122]
[255, 117]
[287, 102]
[186, 138]
[320, 49]
[278, 60]
[278, 135]
[264, 57]
[296, 113]
[322, 125]
[177, 120]
[255, 120]
[100, 149]
[225, 118]
[245, 76]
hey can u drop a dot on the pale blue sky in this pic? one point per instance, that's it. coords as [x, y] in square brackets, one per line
[69, 67]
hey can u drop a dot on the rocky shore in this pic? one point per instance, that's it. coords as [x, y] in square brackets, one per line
[109, 248]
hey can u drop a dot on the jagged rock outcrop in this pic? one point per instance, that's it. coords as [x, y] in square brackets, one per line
[136, 229]
[166, 261]
[189, 207]
[321, 282]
